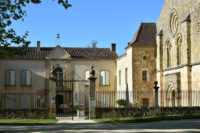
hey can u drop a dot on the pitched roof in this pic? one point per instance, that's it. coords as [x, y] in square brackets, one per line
[81, 53]
[145, 35]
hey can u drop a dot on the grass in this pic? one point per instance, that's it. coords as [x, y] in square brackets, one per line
[27, 121]
[148, 118]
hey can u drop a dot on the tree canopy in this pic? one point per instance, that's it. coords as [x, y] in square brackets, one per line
[12, 10]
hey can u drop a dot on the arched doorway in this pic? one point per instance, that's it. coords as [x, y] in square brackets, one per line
[170, 99]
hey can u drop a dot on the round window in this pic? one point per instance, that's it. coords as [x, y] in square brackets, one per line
[173, 22]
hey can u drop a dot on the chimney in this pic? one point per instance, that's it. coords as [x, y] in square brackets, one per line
[38, 45]
[113, 47]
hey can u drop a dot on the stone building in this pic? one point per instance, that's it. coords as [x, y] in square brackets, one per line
[136, 69]
[29, 81]
[178, 58]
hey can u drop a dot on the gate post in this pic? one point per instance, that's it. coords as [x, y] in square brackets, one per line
[52, 97]
[92, 100]
[156, 94]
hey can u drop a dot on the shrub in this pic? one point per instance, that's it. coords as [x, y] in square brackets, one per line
[122, 103]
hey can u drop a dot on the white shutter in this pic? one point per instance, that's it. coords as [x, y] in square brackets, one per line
[87, 75]
[107, 77]
[12, 77]
[103, 75]
[28, 78]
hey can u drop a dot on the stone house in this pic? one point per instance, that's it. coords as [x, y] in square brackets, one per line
[136, 69]
[26, 80]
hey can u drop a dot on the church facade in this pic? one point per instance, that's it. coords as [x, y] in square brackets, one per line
[178, 53]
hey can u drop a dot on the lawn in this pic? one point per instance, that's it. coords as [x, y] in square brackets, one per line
[148, 118]
[27, 121]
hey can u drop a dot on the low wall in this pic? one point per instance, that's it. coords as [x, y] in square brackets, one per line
[144, 111]
[24, 114]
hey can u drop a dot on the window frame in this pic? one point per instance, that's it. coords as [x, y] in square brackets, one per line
[87, 83]
[5, 82]
[179, 49]
[22, 77]
[126, 75]
[120, 78]
[106, 84]
[146, 76]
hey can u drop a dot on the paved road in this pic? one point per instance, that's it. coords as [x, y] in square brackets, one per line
[186, 126]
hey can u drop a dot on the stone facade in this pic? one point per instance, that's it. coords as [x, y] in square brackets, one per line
[140, 62]
[178, 50]
[43, 89]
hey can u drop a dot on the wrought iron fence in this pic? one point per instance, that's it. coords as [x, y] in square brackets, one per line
[19, 99]
[108, 99]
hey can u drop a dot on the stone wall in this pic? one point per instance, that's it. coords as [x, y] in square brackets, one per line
[139, 112]
[24, 114]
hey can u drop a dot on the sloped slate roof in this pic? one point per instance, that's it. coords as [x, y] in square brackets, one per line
[145, 35]
[82, 53]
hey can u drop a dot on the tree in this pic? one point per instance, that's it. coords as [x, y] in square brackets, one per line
[12, 10]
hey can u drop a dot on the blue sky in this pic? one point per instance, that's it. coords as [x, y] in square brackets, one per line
[106, 21]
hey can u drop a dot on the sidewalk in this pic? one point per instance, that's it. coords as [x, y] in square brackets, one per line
[76, 120]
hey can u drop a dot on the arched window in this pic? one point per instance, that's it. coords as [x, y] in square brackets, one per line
[58, 73]
[179, 42]
[169, 54]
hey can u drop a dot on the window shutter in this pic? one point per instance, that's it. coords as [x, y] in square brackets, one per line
[12, 77]
[7, 77]
[28, 78]
[107, 77]
[23, 77]
[103, 75]
[87, 75]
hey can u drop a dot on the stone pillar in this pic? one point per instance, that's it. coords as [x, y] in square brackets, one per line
[156, 94]
[92, 99]
[52, 97]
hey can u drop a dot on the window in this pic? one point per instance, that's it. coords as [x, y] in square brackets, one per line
[119, 77]
[87, 75]
[126, 76]
[105, 78]
[179, 41]
[25, 77]
[9, 102]
[10, 77]
[144, 76]
[25, 101]
[58, 73]
[168, 55]
[173, 22]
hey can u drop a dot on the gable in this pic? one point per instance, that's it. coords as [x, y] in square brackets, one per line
[182, 8]
[58, 53]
